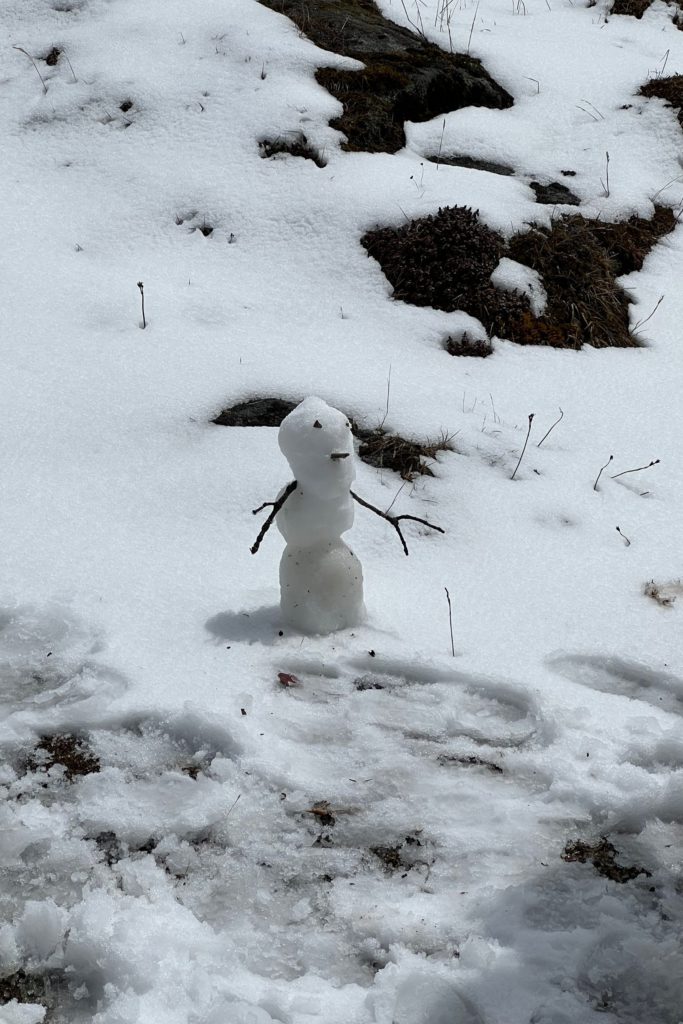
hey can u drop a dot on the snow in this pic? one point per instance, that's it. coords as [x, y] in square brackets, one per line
[196, 878]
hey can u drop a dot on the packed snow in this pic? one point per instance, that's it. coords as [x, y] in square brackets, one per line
[252, 823]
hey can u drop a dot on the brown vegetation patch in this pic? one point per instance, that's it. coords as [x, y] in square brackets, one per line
[294, 144]
[579, 261]
[602, 856]
[466, 346]
[446, 260]
[403, 456]
[669, 89]
[405, 78]
[69, 751]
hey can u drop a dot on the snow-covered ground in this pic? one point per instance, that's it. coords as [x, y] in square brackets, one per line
[381, 844]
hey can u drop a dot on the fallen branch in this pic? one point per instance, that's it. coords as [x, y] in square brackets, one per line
[394, 520]
[277, 505]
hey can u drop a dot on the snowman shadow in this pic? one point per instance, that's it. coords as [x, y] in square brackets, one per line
[260, 625]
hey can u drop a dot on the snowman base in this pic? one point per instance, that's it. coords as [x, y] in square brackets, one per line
[321, 587]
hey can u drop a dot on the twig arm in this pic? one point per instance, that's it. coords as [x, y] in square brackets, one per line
[394, 520]
[277, 505]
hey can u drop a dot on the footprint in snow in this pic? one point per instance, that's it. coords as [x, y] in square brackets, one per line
[428, 702]
[623, 678]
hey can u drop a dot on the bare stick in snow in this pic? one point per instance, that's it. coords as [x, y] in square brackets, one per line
[595, 485]
[531, 420]
[450, 619]
[142, 299]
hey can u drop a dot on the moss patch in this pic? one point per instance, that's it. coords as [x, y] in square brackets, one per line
[446, 260]
[405, 77]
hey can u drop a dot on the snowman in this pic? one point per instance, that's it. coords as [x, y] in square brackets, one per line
[321, 580]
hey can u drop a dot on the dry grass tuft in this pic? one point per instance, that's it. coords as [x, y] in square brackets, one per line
[403, 456]
[579, 261]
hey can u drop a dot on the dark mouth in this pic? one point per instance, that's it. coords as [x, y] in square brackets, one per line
[340, 455]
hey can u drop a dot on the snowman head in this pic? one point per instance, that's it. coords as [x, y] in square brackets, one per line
[317, 442]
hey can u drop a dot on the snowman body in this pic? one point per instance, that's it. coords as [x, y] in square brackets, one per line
[321, 580]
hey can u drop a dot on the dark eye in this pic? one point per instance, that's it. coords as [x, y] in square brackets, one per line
[318, 425]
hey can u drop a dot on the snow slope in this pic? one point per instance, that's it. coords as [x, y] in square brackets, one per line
[199, 876]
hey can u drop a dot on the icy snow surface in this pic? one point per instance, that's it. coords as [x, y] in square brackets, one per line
[361, 828]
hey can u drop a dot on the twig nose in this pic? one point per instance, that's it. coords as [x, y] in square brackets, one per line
[340, 455]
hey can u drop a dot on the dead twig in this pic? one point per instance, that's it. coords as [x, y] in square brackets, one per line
[142, 300]
[637, 469]
[277, 505]
[641, 323]
[450, 619]
[531, 420]
[394, 520]
[474, 18]
[595, 485]
[624, 537]
[552, 428]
